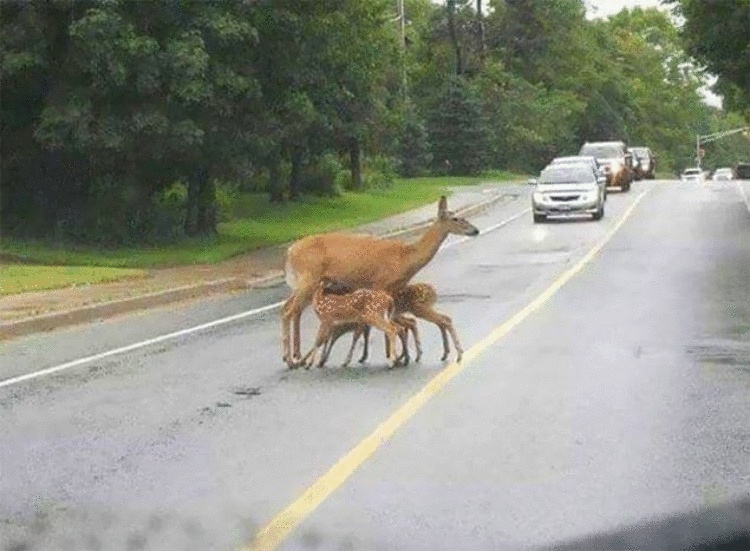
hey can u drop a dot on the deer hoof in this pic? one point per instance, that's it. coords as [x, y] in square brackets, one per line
[459, 356]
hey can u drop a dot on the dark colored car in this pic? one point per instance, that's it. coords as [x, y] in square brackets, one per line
[742, 171]
[644, 163]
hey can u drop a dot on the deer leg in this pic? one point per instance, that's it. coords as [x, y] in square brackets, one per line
[366, 350]
[403, 334]
[444, 323]
[303, 297]
[286, 318]
[324, 332]
[337, 332]
[446, 346]
[390, 334]
[355, 339]
[454, 336]
[410, 324]
[417, 342]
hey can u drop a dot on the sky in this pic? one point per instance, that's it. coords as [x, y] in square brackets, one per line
[604, 8]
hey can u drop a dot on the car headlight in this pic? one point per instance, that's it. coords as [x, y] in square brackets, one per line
[538, 197]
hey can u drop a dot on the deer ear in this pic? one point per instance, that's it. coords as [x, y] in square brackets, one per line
[442, 207]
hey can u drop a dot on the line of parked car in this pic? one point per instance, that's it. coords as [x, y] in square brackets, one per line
[578, 184]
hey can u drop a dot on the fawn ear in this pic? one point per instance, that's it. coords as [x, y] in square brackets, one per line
[442, 207]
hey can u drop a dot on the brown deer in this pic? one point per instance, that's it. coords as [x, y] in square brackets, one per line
[417, 299]
[361, 261]
[362, 306]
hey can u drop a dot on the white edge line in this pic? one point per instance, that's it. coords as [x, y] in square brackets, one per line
[135, 346]
[744, 195]
[189, 330]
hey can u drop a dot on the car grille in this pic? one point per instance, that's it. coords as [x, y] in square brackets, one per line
[565, 198]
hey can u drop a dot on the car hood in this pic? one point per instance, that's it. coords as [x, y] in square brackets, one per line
[566, 188]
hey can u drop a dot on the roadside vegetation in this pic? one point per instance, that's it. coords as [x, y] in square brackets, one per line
[175, 132]
[23, 278]
[253, 221]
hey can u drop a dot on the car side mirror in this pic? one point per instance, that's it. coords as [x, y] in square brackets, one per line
[532, 181]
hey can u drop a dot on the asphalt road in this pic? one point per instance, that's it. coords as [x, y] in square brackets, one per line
[620, 398]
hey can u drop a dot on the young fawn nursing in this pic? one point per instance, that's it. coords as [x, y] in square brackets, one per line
[417, 299]
[362, 306]
[363, 261]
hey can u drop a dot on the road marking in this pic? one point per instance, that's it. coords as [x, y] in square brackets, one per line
[136, 346]
[188, 331]
[276, 531]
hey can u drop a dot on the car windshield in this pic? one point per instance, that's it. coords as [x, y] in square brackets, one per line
[640, 152]
[692, 172]
[601, 151]
[566, 175]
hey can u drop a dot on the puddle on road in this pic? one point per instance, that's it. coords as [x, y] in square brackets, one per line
[725, 353]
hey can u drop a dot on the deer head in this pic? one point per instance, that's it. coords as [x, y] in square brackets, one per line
[450, 223]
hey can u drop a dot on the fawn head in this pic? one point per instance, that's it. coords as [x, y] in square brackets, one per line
[454, 224]
[334, 287]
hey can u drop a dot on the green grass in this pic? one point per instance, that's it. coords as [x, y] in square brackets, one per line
[259, 223]
[21, 278]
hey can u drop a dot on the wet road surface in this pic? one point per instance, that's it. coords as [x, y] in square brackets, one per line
[621, 397]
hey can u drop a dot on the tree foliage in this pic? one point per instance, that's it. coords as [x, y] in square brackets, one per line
[120, 118]
[717, 33]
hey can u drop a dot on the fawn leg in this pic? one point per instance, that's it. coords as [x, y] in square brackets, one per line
[336, 333]
[355, 338]
[324, 332]
[459, 350]
[443, 322]
[390, 334]
[366, 351]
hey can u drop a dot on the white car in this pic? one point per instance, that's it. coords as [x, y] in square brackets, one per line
[723, 174]
[581, 159]
[567, 189]
[692, 175]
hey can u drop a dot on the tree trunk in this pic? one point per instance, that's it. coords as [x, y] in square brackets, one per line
[275, 187]
[451, 5]
[295, 178]
[355, 165]
[206, 205]
[481, 33]
[200, 218]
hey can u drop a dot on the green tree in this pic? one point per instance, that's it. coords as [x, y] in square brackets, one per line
[717, 33]
[457, 131]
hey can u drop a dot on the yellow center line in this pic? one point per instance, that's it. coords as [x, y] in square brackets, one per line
[274, 533]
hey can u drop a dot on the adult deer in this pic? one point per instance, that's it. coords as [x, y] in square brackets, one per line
[361, 261]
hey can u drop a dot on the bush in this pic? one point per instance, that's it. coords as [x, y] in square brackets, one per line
[378, 172]
[227, 198]
[324, 176]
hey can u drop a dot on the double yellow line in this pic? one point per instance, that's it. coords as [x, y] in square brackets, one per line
[274, 533]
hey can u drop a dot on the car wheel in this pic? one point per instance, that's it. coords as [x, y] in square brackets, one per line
[598, 215]
[539, 218]
[626, 187]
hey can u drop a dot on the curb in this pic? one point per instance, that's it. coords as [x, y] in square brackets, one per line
[92, 312]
